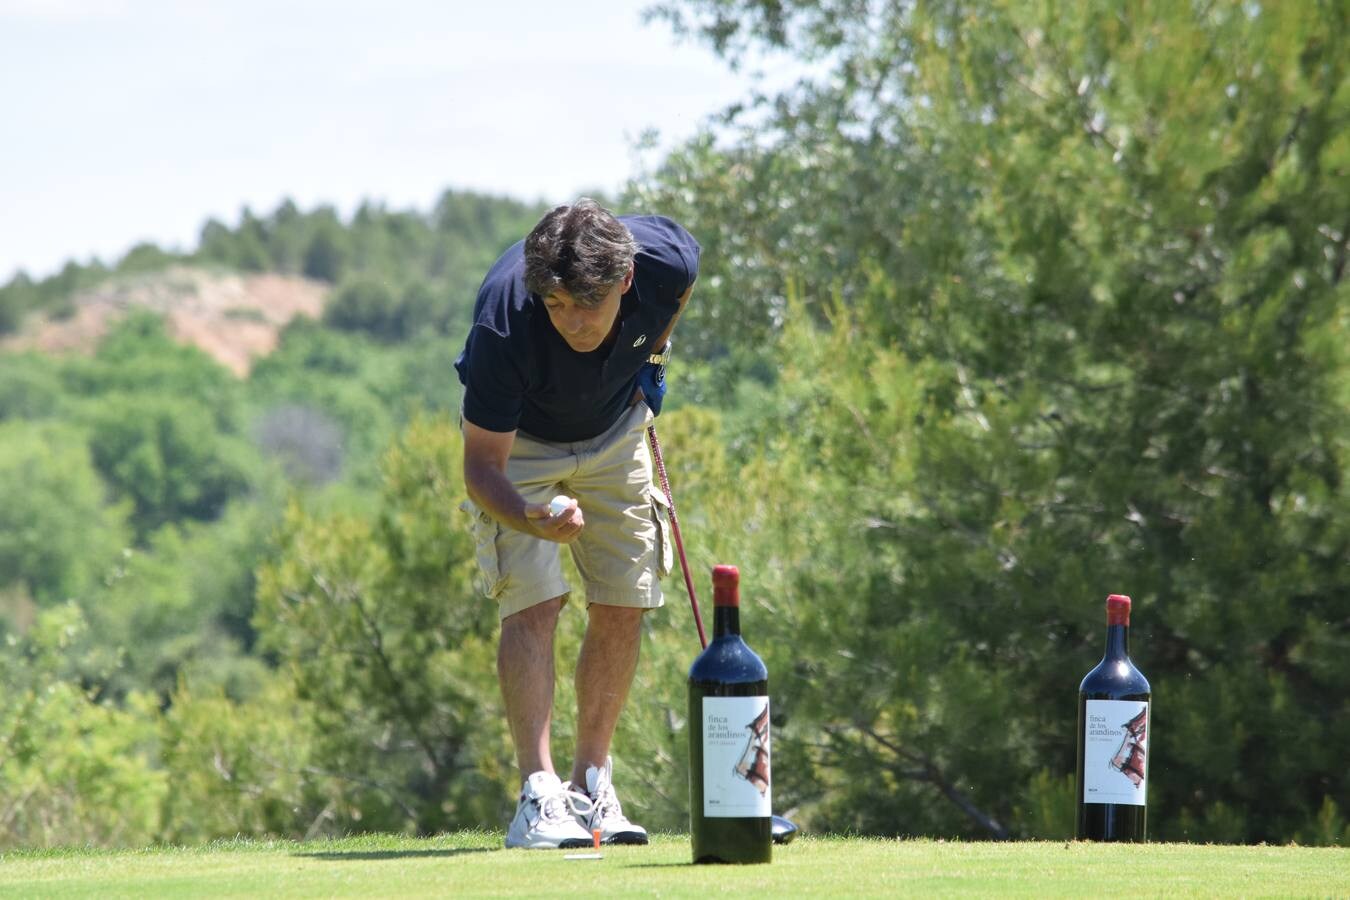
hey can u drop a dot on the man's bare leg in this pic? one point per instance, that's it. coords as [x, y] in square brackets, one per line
[525, 671]
[609, 655]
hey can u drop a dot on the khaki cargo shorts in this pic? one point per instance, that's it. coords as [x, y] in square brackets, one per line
[624, 548]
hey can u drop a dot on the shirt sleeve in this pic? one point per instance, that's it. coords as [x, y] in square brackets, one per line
[494, 383]
[689, 251]
[669, 254]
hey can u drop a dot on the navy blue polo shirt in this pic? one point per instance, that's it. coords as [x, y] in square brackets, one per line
[519, 373]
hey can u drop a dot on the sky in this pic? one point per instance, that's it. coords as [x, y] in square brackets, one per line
[123, 121]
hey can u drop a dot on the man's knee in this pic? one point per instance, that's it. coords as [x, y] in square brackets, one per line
[614, 619]
[538, 620]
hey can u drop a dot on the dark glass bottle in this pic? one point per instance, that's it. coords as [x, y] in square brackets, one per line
[729, 796]
[1114, 711]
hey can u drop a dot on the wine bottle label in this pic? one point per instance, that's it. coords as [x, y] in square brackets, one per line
[736, 757]
[1115, 752]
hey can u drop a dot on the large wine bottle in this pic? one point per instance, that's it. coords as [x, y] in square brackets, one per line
[729, 796]
[1113, 732]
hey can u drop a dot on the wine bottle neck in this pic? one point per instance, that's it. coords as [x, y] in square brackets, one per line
[1117, 641]
[726, 620]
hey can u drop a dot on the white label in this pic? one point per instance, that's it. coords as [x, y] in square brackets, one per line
[1115, 752]
[736, 757]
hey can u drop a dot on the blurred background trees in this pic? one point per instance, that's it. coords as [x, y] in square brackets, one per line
[1088, 330]
[1009, 307]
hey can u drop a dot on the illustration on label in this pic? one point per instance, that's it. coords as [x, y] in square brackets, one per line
[1115, 759]
[736, 757]
[754, 764]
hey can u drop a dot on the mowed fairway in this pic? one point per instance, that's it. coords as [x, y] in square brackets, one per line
[473, 864]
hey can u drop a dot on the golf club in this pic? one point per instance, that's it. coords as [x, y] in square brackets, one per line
[783, 829]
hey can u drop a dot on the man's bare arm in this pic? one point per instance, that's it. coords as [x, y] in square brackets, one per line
[485, 455]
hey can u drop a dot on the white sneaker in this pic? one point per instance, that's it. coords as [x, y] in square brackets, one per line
[606, 814]
[546, 817]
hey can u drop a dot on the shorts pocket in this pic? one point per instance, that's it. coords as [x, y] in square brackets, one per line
[485, 532]
[665, 550]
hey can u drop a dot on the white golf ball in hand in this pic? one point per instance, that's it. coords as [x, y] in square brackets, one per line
[558, 504]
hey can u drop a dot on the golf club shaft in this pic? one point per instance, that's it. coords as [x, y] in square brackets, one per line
[675, 529]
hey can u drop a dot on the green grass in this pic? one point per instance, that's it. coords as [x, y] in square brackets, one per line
[473, 864]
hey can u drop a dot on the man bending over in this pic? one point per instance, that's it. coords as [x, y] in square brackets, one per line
[562, 370]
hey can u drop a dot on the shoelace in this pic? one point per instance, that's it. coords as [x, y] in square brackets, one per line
[560, 807]
[606, 802]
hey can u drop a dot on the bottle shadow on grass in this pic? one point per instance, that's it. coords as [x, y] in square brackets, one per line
[365, 855]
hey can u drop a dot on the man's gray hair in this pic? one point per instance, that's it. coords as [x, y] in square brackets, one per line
[581, 249]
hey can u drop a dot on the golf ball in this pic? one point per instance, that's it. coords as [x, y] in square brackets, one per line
[559, 503]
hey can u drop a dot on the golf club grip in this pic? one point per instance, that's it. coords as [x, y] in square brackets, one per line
[675, 530]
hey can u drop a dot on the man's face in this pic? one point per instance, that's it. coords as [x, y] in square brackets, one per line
[586, 328]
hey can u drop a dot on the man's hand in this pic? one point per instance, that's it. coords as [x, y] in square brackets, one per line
[651, 379]
[564, 528]
[485, 455]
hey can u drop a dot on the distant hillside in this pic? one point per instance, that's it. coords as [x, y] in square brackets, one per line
[235, 318]
[390, 274]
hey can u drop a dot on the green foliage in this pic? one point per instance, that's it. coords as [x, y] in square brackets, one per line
[1018, 305]
[184, 603]
[325, 253]
[58, 535]
[74, 770]
[239, 768]
[167, 457]
[30, 387]
[23, 295]
[1330, 830]
[1088, 350]
[378, 308]
[163, 425]
[214, 244]
[398, 272]
[145, 258]
[138, 357]
[249, 252]
[364, 304]
[436, 259]
[391, 650]
[1048, 806]
[344, 380]
[154, 435]
[15, 301]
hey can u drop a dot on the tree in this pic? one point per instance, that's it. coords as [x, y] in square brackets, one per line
[138, 355]
[352, 379]
[286, 229]
[250, 244]
[181, 605]
[145, 257]
[240, 768]
[58, 536]
[1093, 347]
[16, 298]
[77, 771]
[167, 457]
[213, 244]
[391, 650]
[366, 304]
[30, 387]
[324, 254]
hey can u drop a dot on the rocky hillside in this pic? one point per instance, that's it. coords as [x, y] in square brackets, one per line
[234, 318]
